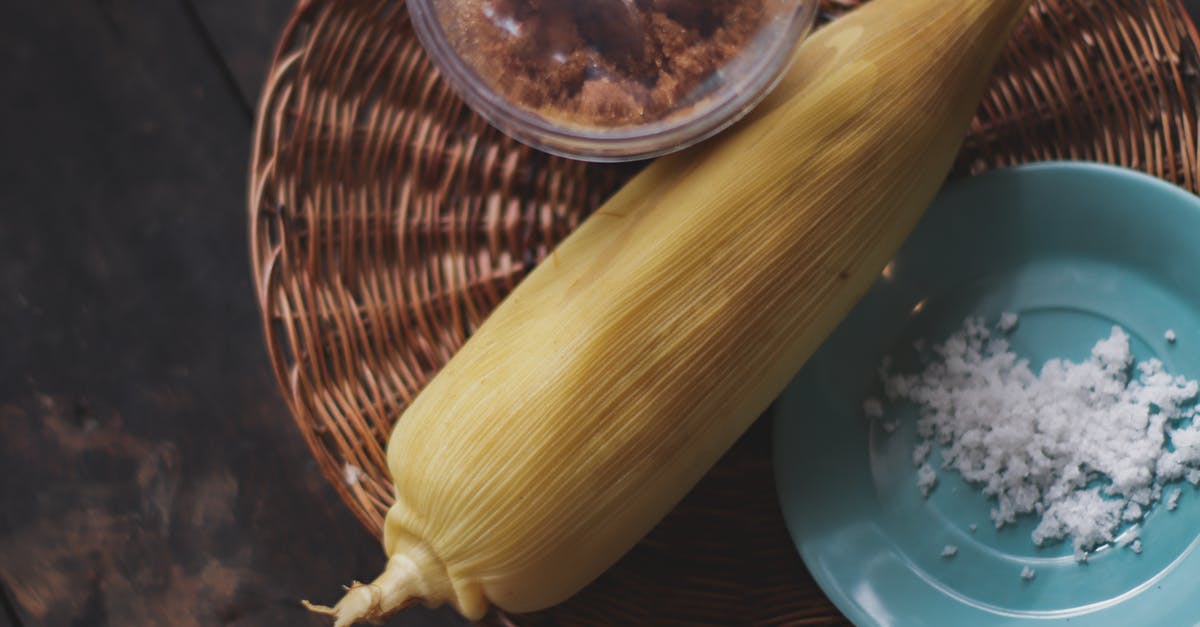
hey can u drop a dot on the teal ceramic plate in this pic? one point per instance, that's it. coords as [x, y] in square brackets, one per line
[1074, 249]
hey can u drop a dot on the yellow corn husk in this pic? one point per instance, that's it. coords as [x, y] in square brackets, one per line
[618, 373]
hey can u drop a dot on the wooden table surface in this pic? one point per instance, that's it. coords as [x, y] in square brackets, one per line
[149, 471]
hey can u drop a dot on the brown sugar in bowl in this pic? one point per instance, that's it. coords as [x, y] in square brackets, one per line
[612, 80]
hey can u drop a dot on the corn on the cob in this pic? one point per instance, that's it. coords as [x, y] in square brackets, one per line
[606, 385]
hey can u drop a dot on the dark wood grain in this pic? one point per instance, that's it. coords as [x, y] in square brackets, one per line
[149, 473]
[242, 33]
[8, 609]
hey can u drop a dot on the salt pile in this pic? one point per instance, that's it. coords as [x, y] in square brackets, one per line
[1083, 446]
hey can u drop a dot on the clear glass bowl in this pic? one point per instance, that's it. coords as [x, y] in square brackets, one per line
[612, 80]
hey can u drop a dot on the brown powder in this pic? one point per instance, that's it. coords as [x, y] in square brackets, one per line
[606, 63]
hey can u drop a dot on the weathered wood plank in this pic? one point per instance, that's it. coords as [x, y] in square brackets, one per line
[149, 473]
[244, 34]
[8, 610]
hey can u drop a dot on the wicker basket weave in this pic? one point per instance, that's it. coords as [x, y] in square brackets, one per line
[387, 220]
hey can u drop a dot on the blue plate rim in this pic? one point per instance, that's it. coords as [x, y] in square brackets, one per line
[1189, 202]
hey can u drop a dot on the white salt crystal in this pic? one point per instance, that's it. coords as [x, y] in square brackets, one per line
[921, 452]
[872, 408]
[1028, 573]
[1036, 441]
[926, 479]
[1136, 546]
[1085, 516]
[352, 475]
[972, 527]
[949, 551]
[1170, 336]
[1173, 499]
[1008, 322]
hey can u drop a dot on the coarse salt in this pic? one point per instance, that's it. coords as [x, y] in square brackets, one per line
[1008, 322]
[926, 479]
[1080, 445]
[352, 475]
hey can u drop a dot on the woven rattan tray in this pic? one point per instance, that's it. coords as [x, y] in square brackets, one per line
[387, 221]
